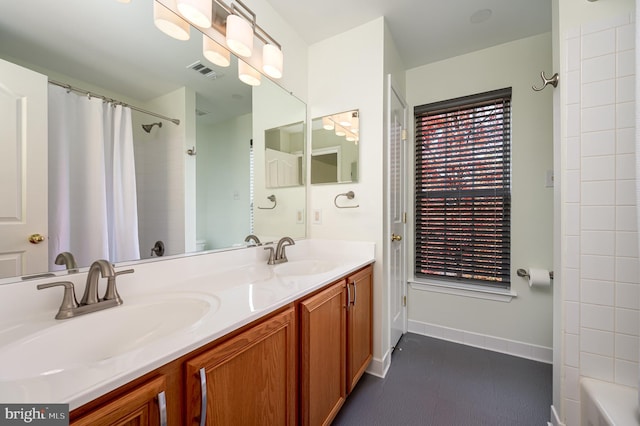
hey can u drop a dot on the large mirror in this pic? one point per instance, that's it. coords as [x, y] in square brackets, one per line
[198, 184]
[334, 148]
[284, 155]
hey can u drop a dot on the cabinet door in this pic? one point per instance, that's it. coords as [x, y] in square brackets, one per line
[247, 380]
[360, 325]
[323, 355]
[140, 407]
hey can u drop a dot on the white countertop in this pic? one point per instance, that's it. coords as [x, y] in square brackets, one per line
[236, 287]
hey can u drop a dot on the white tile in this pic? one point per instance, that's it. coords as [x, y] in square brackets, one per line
[598, 68]
[598, 93]
[597, 342]
[628, 321]
[604, 24]
[597, 317]
[626, 218]
[597, 292]
[625, 115]
[598, 193]
[573, 120]
[626, 37]
[600, 268]
[625, 63]
[626, 373]
[627, 270]
[598, 44]
[625, 192]
[627, 244]
[573, 153]
[572, 383]
[598, 168]
[572, 219]
[625, 141]
[573, 87]
[573, 54]
[571, 412]
[628, 295]
[627, 347]
[598, 242]
[572, 178]
[626, 89]
[572, 350]
[572, 33]
[571, 285]
[572, 317]
[598, 218]
[598, 143]
[572, 258]
[596, 119]
[625, 166]
[596, 366]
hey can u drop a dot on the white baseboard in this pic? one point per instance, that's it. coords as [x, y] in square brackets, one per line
[379, 367]
[555, 418]
[483, 341]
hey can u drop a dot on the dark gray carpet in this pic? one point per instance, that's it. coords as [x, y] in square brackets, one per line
[440, 383]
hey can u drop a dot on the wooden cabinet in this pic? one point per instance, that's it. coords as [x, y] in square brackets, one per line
[336, 345]
[249, 379]
[323, 339]
[144, 405]
[360, 325]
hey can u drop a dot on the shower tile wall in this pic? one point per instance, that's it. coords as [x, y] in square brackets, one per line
[600, 287]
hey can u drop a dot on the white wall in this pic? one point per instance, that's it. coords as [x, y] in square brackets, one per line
[522, 326]
[599, 321]
[223, 201]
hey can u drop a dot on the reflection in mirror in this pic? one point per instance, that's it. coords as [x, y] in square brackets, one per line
[334, 142]
[195, 182]
[284, 154]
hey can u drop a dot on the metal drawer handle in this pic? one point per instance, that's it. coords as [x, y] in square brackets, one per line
[355, 293]
[348, 295]
[162, 408]
[203, 392]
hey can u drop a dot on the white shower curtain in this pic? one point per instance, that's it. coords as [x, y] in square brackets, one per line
[92, 185]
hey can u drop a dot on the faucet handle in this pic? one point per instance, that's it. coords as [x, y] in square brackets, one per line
[112, 291]
[272, 257]
[69, 301]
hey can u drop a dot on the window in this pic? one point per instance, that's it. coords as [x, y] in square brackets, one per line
[463, 199]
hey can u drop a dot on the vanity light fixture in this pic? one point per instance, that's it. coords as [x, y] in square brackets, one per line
[272, 60]
[239, 36]
[215, 53]
[198, 12]
[340, 131]
[247, 74]
[345, 119]
[170, 23]
[327, 123]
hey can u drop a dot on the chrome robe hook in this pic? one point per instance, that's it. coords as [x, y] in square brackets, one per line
[546, 81]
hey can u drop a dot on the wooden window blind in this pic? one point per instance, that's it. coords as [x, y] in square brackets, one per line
[463, 199]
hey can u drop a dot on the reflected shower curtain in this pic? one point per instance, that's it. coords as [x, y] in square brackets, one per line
[92, 186]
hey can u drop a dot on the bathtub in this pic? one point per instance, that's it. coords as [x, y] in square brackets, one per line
[608, 404]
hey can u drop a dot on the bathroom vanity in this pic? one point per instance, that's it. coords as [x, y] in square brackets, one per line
[243, 342]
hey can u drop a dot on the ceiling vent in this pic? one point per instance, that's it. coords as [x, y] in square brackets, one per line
[204, 70]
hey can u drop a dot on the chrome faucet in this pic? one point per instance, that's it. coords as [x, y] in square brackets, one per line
[103, 267]
[279, 255]
[90, 301]
[254, 238]
[66, 258]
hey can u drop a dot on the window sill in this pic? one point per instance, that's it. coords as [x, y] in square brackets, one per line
[465, 290]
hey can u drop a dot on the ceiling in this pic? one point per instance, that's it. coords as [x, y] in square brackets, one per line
[424, 31]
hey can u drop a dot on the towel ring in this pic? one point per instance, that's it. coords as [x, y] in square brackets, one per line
[350, 195]
[271, 198]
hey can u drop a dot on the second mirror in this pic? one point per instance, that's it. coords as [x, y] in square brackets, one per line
[334, 148]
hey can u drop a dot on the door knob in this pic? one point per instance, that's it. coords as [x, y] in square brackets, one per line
[35, 238]
[395, 237]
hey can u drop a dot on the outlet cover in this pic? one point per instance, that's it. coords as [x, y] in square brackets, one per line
[317, 216]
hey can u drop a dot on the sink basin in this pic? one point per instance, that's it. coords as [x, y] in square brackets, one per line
[298, 268]
[99, 336]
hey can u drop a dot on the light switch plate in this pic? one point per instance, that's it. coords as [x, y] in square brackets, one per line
[299, 216]
[317, 216]
[549, 179]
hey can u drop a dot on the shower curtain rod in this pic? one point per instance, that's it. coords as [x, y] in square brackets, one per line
[110, 100]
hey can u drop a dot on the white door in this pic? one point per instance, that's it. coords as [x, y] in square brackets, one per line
[396, 175]
[23, 170]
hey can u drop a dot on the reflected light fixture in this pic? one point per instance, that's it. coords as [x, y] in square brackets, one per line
[239, 36]
[215, 53]
[247, 74]
[198, 12]
[327, 123]
[272, 60]
[340, 131]
[170, 23]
